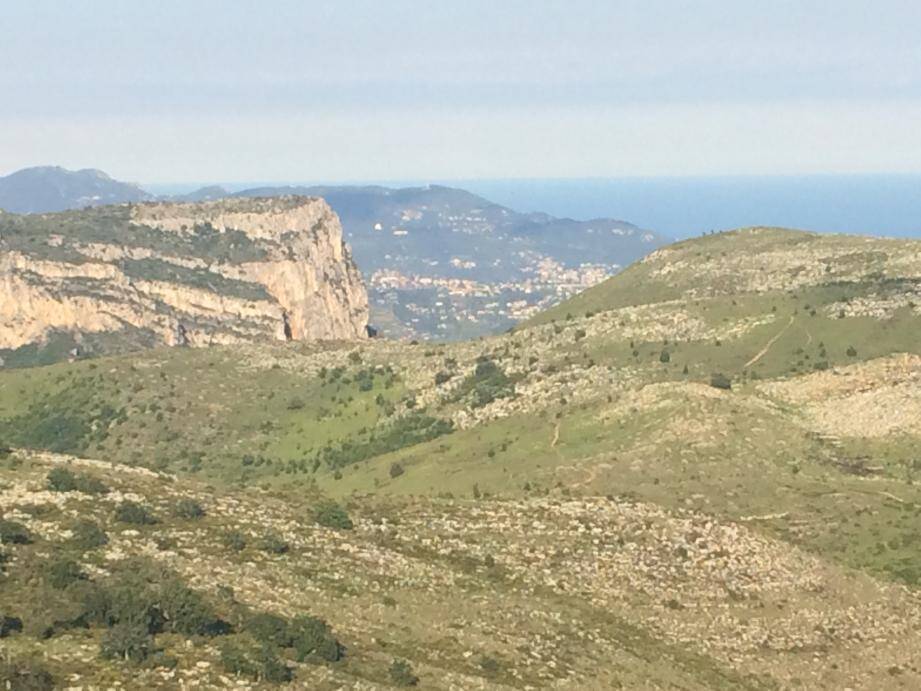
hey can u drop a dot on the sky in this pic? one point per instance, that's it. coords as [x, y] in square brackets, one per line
[197, 90]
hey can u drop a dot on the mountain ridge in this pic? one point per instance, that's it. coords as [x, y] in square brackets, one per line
[444, 263]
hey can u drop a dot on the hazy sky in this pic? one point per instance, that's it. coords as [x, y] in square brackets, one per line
[161, 91]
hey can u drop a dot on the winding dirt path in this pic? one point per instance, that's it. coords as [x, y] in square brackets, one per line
[761, 353]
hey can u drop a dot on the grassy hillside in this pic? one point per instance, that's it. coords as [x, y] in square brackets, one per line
[700, 474]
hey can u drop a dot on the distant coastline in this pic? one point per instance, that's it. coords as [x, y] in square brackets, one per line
[680, 207]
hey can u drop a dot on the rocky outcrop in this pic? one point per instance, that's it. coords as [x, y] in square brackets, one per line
[225, 271]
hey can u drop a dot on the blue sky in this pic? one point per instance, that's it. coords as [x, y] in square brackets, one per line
[388, 90]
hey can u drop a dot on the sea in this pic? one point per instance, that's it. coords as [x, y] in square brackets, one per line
[681, 207]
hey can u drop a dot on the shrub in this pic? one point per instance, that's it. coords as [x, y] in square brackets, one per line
[187, 612]
[129, 641]
[295, 403]
[720, 381]
[234, 541]
[442, 378]
[64, 480]
[396, 470]
[9, 625]
[134, 513]
[259, 662]
[188, 509]
[87, 535]
[130, 599]
[273, 544]
[330, 515]
[851, 351]
[14, 533]
[664, 356]
[401, 674]
[25, 676]
[61, 480]
[270, 628]
[62, 573]
[313, 638]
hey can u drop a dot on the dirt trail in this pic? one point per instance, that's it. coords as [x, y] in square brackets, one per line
[761, 353]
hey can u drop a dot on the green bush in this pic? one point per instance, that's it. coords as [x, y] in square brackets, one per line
[270, 628]
[128, 641]
[401, 674]
[14, 533]
[64, 480]
[313, 639]
[187, 612]
[246, 657]
[273, 544]
[396, 469]
[87, 535]
[134, 513]
[665, 357]
[188, 509]
[329, 514]
[61, 573]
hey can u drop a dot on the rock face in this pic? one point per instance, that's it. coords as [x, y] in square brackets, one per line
[225, 271]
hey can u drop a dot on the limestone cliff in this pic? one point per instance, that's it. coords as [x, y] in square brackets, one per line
[224, 271]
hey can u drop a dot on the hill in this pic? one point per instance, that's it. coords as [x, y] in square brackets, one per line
[700, 474]
[124, 277]
[46, 189]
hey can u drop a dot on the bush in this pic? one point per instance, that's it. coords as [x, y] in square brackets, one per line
[720, 381]
[442, 378]
[851, 351]
[396, 470]
[134, 513]
[313, 638]
[330, 515]
[187, 612]
[9, 625]
[270, 628]
[25, 676]
[14, 533]
[664, 357]
[128, 641]
[64, 480]
[62, 573]
[234, 541]
[188, 509]
[259, 662]
[61, 480]
[273, 544]
[401, 674]
[87, 535]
